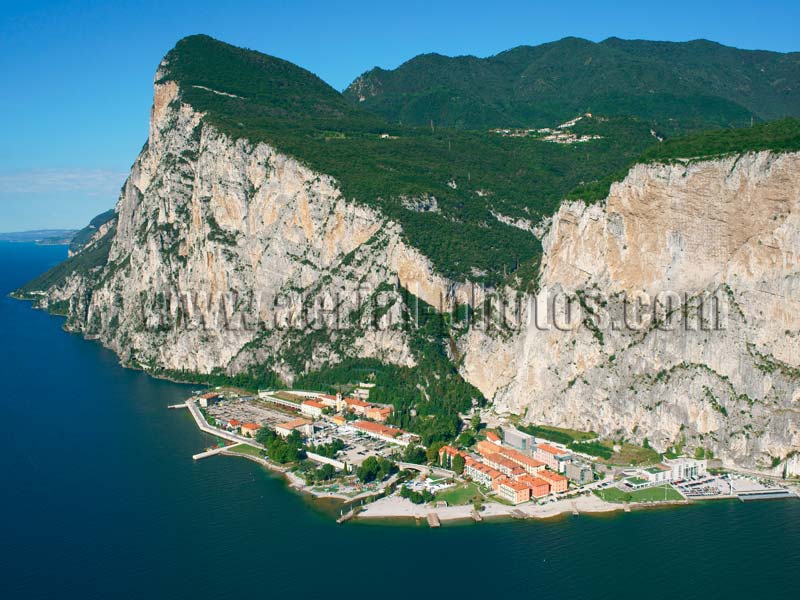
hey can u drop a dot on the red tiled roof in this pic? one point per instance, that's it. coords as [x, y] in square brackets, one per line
[492, 436]
[551, 476]
[314, 403]
[515, 485]
[251, 426]
[519, 457]
[493, 473]
[551, 449]
[377, 428]
[450, 451]
[357, 402]
[534, 482]
[294, 424]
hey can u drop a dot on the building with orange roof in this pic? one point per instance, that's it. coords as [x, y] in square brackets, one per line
[250, 429]
[531, 465]
[378, 413]
[493, 437]
[538, 486]
[481, 473]
[504, 465]
[312, 408]
[553, 457]
[448, 453]
[485, 447]
[357, 406]
[338, 420]
[303, 426]
[515, 492]
[385, 432]
[558, 483]
[327, 400]
[234, 424]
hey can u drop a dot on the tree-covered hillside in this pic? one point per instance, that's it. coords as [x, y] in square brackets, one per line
[471, 175]
[677, 87]
[456, 191]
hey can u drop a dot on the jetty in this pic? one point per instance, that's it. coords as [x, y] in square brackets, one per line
[346, 516]
[766, 494]
[575, 509]
[174, 406]
[433, 520]
[213, 451]
[476, 516]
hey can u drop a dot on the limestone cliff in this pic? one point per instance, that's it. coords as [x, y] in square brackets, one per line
[729, 227]
[221, 249]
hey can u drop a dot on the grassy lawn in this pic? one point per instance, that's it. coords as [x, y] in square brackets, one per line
[612, 494]
[246, 449]
[656, 494]
[461, 494]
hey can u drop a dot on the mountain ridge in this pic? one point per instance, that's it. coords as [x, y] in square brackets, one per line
[668, 70]
[224, 198]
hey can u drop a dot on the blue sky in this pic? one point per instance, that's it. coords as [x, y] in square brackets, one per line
[77, 76]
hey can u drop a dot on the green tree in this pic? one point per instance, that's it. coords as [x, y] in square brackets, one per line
[458, 464]
[414, 454]
[325, 472]
[466, 439]
[476, 421]
[432, 453]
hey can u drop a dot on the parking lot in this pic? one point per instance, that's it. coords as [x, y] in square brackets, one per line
[357, 446]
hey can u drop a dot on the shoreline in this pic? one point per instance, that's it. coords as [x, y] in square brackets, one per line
[393, 508]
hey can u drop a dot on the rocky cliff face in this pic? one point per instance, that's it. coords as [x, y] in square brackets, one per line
[225, 254]
[220, 249]
[727, 228]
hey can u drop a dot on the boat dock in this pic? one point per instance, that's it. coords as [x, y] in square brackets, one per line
[767, 494]
[212, 452]
[173, 406]
[346, 516]
[433, 520]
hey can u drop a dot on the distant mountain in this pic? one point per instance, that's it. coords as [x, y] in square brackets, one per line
[677, 86]
[40, 236]
[85, 235]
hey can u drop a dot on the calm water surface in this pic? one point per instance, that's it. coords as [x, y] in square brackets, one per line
[101, 499]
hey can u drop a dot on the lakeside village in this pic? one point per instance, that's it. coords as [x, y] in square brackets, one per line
[340, 447]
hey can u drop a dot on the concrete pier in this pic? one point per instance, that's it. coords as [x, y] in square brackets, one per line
[212, 452]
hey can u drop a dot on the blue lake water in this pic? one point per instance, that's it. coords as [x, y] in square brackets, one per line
[101, 499]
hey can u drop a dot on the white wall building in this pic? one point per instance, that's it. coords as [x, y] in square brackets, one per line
[685, 468]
